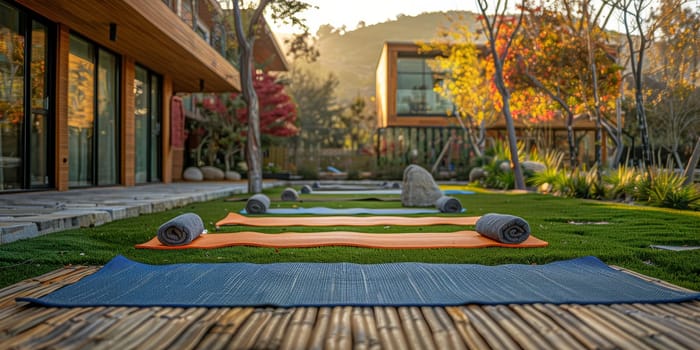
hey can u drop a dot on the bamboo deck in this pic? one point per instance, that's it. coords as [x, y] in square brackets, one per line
[537, 326]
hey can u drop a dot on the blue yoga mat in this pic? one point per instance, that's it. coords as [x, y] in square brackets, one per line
[348, 211]
[454, 192]
[587, 280]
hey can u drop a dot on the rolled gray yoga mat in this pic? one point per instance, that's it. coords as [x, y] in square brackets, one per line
[289, 195]
[181, 229]
[448, 205]
[503, 228]
[257, 204]
[306, 189]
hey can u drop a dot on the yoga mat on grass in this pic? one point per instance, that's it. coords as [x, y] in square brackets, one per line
[459, 239]
[330, 199]
[344, 211]
[238, 219]
[587, 280]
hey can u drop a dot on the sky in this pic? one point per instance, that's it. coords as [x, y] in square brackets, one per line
[350, 12]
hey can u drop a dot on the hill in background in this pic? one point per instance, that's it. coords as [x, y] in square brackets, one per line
[352, 56]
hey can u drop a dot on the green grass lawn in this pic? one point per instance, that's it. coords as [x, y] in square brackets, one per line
[573, 228]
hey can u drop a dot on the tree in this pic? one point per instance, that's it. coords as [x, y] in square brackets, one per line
[359, 123]
[556, 55]
[317, 106]
[466, 84]
[673, 102]
[499, 45]
[280, 10]
[226, 117]
[633, 19]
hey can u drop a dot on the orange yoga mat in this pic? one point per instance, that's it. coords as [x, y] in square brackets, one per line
[322, 220]
[459, 239]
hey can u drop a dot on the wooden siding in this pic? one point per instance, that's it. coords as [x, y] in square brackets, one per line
[128, 127]
[149, 32]
[61, 149]
[381, 89]
[167, 159]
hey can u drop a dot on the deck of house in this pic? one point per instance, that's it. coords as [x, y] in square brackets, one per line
[537, 326]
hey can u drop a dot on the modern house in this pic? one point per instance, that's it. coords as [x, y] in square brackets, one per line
[86, 87]
[415, 123]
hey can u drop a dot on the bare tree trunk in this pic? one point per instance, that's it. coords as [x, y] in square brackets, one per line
[492, 27]
[596, 98]
[637, 65]
[250, 97]
[692, 163]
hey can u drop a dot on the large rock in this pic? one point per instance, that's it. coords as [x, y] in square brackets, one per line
[476, 174]
[419, 188]
[533, 166]
[193, 174]
[233, 175]
[212, 173]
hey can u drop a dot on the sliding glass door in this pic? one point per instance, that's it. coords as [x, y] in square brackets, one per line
[25, 126]
[147, 114]
[93, 122]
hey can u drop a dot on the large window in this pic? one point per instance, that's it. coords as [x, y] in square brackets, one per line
[414, 88]
[25, 128]
[147, 93]
[93, 122]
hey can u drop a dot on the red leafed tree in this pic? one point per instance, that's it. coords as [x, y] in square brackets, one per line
[278, 114]
[227, 116]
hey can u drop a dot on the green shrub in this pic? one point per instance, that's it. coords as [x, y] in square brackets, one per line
[620, 183]
[582, 184]
[664, 188]
[308, 173]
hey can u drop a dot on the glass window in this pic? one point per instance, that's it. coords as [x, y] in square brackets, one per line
[187, 12]
[93, 123]
[415, 94]
[107, 118]
[81, 111]
[147, 115]
[24, 101]
[12, 87]
[39, 127]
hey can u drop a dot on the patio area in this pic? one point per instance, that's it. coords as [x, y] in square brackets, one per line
[535, 326]
[31, 214]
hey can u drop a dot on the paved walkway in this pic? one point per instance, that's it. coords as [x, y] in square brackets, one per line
[30, 214]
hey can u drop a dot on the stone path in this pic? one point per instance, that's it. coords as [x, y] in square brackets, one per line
[30, 214]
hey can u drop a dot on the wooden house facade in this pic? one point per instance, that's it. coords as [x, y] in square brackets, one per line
[415, 124]
[87, 88]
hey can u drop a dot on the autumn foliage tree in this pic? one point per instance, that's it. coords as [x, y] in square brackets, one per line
[466, 82]
[227, 116]
[551, 72]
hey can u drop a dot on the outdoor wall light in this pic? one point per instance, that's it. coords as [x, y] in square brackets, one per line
[112, 31]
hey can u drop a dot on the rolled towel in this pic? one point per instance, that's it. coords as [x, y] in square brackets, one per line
[289, 195]
[257, 204]
[503, 228]
[181, 229]
[448, 205]
[306, 189]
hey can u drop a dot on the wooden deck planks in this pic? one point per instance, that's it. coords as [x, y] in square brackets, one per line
[537, 326]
